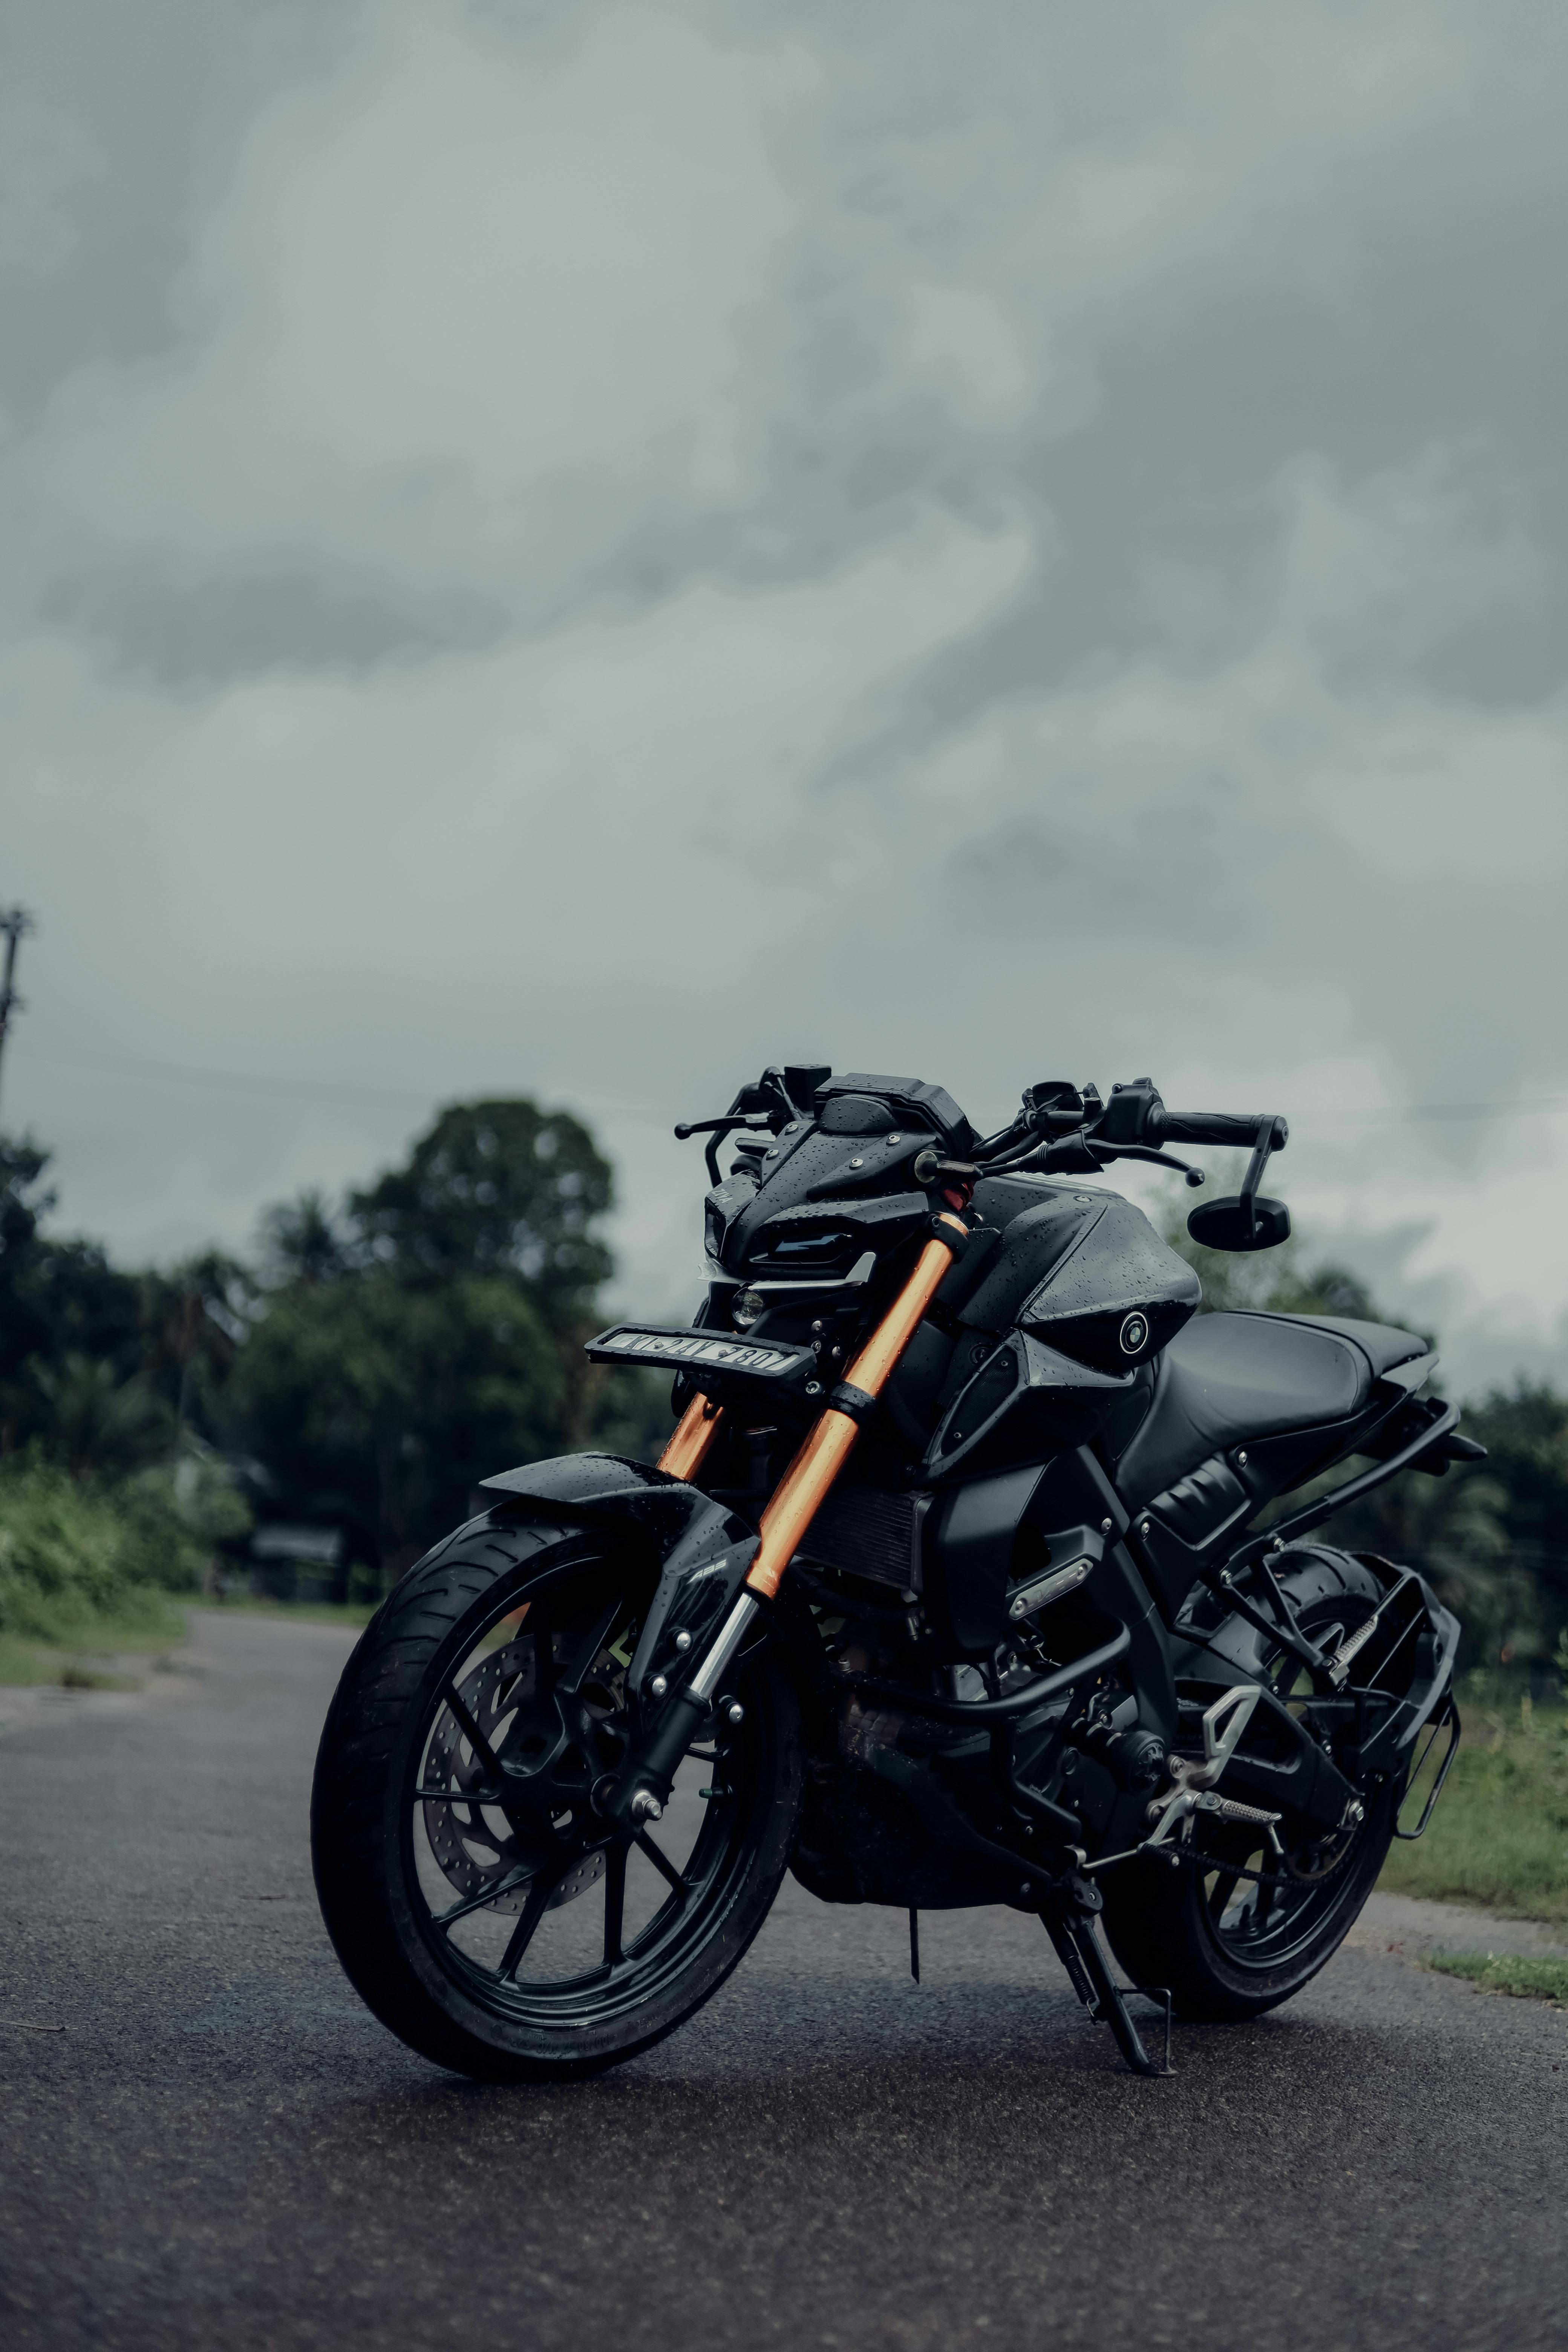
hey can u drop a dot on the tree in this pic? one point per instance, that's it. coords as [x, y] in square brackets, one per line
[430, 1331]
[377, 1407]
[99, 1423]
[22, 1200]
[194, 1321]
[1525, 1432]
[302, 1240]
[61, 1303]
[497, 1187]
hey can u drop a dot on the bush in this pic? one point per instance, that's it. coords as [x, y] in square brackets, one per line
[77, 1558]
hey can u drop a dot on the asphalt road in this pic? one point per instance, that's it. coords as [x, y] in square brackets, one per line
[222, 2147]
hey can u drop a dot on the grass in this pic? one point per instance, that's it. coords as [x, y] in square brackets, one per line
[103, 1647]
[351, 1614]
[1498, 1839]
[1526, 1978]
[74, 1676]
[80, 1664]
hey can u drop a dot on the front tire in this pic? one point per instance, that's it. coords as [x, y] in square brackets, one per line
[534, 1942]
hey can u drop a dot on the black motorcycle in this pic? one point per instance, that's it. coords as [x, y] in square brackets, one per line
[942, 1593]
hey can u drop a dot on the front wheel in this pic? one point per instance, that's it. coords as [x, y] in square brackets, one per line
[480, 1903]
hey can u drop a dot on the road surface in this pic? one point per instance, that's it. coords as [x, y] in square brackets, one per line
[223, 2149]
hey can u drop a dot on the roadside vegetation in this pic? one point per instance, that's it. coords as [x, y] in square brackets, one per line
[353, 1615]
[1498, 1839]
[346, 1386]
[1526, 1978]
[94, 1565]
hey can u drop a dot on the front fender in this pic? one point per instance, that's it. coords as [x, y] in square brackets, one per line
[704, 1549]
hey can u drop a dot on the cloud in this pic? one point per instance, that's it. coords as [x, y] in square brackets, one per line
[590, 548]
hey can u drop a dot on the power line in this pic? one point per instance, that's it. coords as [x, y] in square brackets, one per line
[1415, 1111]
[231, 1081]
[385, 1097]
[253, 1082]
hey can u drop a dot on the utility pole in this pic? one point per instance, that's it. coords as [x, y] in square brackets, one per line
[16, 923]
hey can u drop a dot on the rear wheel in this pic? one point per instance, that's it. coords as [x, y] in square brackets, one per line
[480, 1905]
[1244, 1934]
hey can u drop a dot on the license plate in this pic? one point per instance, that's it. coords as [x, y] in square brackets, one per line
[699, 1351]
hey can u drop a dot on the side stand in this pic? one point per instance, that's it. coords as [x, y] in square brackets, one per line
[1070, 1918]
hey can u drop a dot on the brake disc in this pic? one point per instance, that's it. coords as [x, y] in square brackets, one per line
[476, 1847]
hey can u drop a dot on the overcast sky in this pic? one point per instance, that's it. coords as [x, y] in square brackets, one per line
[583, 550]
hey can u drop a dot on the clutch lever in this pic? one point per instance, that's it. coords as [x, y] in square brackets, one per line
[716, 1129]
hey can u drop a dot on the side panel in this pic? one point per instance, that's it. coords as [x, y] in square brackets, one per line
[1024, 1402]
[989, 1536]
[968, 1555]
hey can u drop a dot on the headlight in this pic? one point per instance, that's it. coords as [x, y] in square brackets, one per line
[745, 1308]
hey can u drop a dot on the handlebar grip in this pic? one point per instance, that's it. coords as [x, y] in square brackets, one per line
[1217, 1127]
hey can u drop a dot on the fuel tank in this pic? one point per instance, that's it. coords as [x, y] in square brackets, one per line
[1079, 1295]
[1084, 1271]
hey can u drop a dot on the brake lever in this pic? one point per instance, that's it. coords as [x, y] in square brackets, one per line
[1156, 1158]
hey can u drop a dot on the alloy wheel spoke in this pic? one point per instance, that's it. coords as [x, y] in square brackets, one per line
[544, 1885]
[498, 1887]
[459, 1797]
[615, 1902]
[1225, 1886]
[473, 1735]
[662, 1864]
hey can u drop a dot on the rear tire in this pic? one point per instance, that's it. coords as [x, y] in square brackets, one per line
[1229, 1946]
[1162, 1931]
[537, 1943]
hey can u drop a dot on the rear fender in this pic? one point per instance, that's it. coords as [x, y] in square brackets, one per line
[703, 1549]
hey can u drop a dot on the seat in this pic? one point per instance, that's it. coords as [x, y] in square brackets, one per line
[1225, 1379]
[1383, 1346]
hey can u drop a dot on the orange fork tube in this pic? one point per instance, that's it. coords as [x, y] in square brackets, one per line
[693, 1438]
[799, 1494]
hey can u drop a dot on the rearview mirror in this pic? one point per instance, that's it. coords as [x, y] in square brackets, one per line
[1235, 1223]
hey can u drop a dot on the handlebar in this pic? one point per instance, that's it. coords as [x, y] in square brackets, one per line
[1241, 1128]
[1061, 1128]
[1067, 1128]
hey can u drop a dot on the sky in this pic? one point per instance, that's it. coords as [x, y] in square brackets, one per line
[585, 550]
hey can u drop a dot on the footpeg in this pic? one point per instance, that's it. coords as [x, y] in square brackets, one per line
[1192, 1789]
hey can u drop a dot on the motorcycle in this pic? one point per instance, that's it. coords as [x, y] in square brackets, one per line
[945, 1592]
